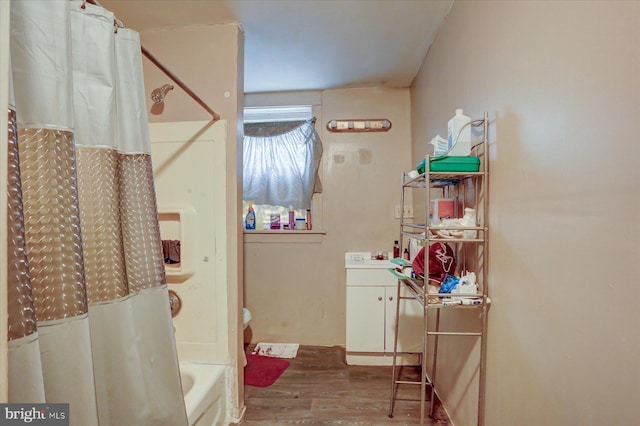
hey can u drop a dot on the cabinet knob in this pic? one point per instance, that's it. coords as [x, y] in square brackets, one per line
[391, 298]
[380, 298]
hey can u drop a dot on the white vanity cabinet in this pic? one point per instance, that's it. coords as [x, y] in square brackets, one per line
[371, 293]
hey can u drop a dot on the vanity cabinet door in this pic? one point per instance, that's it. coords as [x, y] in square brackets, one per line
[365, 319]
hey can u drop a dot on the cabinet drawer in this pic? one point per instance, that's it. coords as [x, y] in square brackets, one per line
[370, 277]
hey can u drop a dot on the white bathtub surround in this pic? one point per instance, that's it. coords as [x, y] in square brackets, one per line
[234, 415]
[204, 387]
[189, 168]
[189, 160]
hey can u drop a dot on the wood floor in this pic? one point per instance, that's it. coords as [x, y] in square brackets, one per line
[319, 388]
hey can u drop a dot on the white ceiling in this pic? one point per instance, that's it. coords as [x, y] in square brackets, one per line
[309, 44]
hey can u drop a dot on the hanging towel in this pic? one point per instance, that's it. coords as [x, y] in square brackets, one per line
[171, 251]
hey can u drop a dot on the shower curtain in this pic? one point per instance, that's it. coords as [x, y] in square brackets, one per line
[89, 320]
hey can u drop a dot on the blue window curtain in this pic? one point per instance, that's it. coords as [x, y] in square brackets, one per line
[283, 169]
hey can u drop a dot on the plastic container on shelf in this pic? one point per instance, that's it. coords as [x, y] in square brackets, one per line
[440, 145]
[450, 164]
[454, 164]
[459, 134]
[441, 208]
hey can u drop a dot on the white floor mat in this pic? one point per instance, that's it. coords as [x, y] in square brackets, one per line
[276, 350]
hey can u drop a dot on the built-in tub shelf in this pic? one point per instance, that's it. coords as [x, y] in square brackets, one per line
[178, 222]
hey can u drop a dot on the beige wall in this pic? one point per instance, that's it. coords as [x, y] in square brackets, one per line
[205, 58]
[210, 61]
[296, 290]
[561, 82]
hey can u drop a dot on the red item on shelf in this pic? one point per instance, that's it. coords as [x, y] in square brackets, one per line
[442, 261]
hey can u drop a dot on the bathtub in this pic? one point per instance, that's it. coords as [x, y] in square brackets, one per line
[203, 386]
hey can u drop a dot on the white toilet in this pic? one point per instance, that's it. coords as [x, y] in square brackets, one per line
[246, 318]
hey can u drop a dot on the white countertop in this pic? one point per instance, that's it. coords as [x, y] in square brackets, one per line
[362, 260]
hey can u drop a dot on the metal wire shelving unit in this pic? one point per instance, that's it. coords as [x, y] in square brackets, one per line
[469, 189]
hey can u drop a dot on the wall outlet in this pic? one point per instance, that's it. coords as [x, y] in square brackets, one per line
[397, 212]
[407, 214]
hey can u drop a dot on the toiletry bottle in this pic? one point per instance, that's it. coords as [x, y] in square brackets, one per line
[459, 134]
[406, 254]
[250, 219]
[274, 220]
[292, 218]
[309, 220]
[396, 249]
[257, 210]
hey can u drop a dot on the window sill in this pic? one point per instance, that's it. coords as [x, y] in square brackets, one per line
[284, 236]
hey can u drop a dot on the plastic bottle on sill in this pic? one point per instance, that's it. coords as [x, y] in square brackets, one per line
[259, 218]
[250, 219]
[396, 249]
[292, 218]
[309, 227]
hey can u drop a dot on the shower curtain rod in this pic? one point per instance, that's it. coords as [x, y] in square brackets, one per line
[179, 82]
[215, 116]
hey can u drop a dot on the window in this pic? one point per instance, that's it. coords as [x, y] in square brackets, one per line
[264, 212]
[281, 159]
[277, 114]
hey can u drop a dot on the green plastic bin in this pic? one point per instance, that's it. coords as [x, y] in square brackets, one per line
[451, 164]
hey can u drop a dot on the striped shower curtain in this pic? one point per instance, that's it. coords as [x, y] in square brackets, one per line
[89, 318]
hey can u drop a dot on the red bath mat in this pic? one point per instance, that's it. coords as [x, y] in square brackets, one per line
[263, 371]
